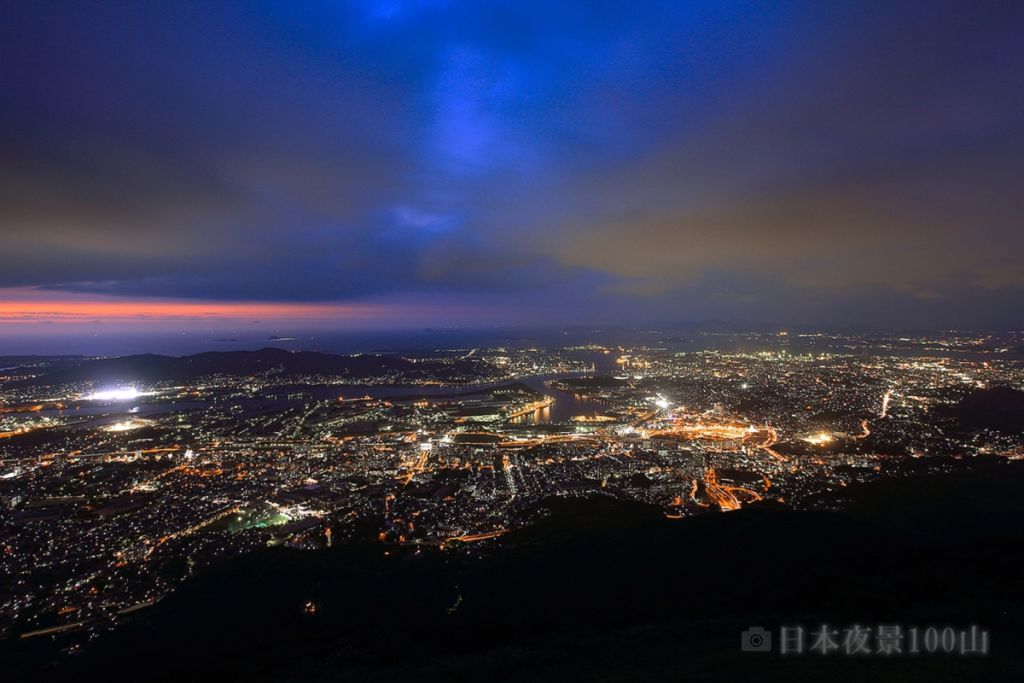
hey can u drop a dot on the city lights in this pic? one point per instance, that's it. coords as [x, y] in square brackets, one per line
[452, 456]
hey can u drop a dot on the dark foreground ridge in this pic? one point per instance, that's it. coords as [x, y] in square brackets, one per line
[605, 591]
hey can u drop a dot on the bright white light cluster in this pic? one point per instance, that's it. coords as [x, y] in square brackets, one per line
[122, 394]
[127, 425]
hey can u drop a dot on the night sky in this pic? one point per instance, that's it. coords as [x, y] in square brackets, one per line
[169, 165]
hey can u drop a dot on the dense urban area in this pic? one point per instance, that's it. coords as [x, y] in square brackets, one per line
[122, 477]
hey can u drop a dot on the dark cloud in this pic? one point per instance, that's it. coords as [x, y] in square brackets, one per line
[621, 161]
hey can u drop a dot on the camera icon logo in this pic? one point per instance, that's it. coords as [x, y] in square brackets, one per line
[756, 639]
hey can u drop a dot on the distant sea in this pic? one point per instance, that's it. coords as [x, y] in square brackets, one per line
[427, 340]
[390, 341]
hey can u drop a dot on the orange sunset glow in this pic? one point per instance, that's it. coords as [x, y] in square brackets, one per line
[18, 306]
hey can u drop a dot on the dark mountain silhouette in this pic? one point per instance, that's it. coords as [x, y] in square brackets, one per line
[154, 368]
[998, 408]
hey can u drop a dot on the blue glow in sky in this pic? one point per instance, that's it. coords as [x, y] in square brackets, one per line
[518, 162]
